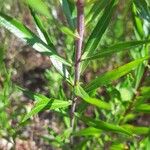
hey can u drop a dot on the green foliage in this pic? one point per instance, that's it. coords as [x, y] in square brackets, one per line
[43, 103]
[107, 104]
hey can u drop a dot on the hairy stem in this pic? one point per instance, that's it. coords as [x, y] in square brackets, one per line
[78, 51]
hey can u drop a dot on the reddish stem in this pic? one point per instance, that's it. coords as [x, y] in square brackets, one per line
[78, 51]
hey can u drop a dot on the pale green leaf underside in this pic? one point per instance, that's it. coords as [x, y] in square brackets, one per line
[27, 36]
[46, 39]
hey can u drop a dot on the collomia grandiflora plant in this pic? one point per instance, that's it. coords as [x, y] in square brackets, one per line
[110, 124]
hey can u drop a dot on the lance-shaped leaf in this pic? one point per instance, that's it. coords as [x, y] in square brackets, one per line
[68, 7]
[139, 130]
[97, 33]
[95, 10]
[115, 74]
[46, 39]
[42, 102]
[143, 108]
[79, 91]
[90, 131]
[116, 48]
[69, 32]
[99, 124]
[39, 6]
[41, 29]
[27, 36]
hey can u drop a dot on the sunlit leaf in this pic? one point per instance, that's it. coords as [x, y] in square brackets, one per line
[43, 102]
[27, 36]
[88, 132]
[104, 125]
[143, 108]
[98, 31]
[116, 48]
[79, 91]
[108, 77]
[39, 6]
[69, 32]
[137, 129]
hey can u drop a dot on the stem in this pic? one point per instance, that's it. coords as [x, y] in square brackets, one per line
[78, 52]
[79, 41]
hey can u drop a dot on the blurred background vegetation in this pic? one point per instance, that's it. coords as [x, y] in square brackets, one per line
[20, 65]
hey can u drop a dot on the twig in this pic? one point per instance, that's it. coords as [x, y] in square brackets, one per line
[78, 51]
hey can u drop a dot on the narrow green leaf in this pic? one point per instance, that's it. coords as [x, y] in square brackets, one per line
[116, 48]
[90, 131]
[41, 29]
[69, 32]
[43, 102]
[143, 108]
[95, 11]
[137, 130]
[79, 91]
[39, 6]
[96, 35]
[46, 39]
[104, 125]
[115, 74]
[27, 36]
[68, 8]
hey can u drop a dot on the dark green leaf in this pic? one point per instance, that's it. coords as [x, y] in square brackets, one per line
[68, 11]
[104, 125]
[115, 74]
[98, 31]
[41, 29]
[116, 48]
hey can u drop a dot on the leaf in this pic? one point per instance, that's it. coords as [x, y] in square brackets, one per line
[137, 130]
[116, 48]
[90, 131]
[79, 91]
[68, 8]
[41, 29]
[39, 6]
[46, 39]
[104, 125]
[143, 108]
[115, 74]
[98, 31]
[43, 102]
[27, 36]
[69, 32]
[95, 11]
